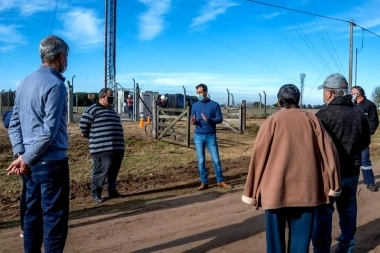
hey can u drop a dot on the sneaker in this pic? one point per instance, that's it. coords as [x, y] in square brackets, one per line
[98, 199]
[21, 233]
[224, 185]
[372, 187]
[114, 194]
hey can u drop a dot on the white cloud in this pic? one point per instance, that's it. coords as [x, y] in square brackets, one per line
[151, 23]
[211, 10]
[10, 37]
[272, 15]
[27, 7]
[83, 28]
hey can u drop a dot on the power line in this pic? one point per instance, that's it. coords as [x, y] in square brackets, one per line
[313, 14]
[55, 13]
[32, 7]
[64, 16]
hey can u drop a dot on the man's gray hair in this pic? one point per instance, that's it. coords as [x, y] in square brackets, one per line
[51, 47]
[339, 92]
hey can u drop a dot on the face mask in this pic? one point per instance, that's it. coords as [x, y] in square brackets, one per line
[200, 97]
[354, 96]
[63, 67]
[110, 100]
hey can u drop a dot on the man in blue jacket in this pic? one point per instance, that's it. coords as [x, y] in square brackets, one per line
[38, 133]
[205, 114]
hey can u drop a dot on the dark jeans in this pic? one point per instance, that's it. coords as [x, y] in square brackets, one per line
[368, 176]
[300, 222]
[47, 201]
[347, 209]
[130, 111]
[23, 202]
[105, 168]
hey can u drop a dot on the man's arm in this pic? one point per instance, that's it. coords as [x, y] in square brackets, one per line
[85, 123]
[55, 100]
[218, 115]
[373, 118]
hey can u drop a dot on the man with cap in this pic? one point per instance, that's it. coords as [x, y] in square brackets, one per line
[349, 129]
[370, 110]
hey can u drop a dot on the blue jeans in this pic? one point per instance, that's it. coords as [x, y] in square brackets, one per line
[300, 222]
[347, 209]
[366, 167]
[201, 141]
[47, 201]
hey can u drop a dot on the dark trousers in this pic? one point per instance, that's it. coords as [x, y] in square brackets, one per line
[368, 176]
[105, 168]
[130, 110]
[300, 223]
[23, 202]
[347, 209]
[47, 201]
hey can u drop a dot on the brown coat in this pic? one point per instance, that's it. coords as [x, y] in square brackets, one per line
[294, 163]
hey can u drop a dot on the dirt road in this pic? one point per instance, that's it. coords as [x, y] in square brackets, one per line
[211, 221]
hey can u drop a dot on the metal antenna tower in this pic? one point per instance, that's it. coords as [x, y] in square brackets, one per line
[110, 47]
[302, 76]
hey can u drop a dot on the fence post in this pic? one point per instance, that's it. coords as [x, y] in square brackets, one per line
[244, 115]
[265, 104]
[154, 119]
[188, 126]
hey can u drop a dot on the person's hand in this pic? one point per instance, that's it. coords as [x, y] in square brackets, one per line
[204, 117]
[18, 167]
[193, 119]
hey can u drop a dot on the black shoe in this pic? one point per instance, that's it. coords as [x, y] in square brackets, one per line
[114, 194]
[98, 199]
[372, 187]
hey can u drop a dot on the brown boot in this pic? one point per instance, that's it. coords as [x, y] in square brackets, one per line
[203, 187]
[224, 185]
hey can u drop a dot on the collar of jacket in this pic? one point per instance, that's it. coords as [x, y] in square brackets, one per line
[345, 100]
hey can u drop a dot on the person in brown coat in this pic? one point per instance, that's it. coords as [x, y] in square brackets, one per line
[294, 168]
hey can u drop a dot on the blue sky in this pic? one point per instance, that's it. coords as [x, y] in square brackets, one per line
[239, 45]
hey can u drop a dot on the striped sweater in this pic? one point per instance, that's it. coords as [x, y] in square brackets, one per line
[103, 128]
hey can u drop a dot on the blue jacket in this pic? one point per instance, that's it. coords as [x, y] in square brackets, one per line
[211, 110]
[38, 125]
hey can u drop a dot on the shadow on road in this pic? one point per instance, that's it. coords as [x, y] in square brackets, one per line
[219, 236]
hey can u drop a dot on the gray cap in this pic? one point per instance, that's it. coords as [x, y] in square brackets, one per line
[334, 81]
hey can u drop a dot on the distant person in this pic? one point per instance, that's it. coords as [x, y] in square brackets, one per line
[205, 114]
[349, 129]
[163, 102]
[370, 110]
[38, 133]
[101, 124]
[7, 117]
[129, 103]
[294, 167]
[6, 120]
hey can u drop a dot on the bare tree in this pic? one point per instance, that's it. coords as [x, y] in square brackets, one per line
[376, 96]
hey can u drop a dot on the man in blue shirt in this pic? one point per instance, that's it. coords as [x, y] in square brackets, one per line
[39, 138]
[205, 114]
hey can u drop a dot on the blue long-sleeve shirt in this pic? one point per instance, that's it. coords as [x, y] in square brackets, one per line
[38, 124]
[211, 110]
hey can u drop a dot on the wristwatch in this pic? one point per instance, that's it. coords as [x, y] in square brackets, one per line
[18, 154]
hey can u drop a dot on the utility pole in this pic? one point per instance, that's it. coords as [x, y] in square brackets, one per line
[302, 76]
[350, 53]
